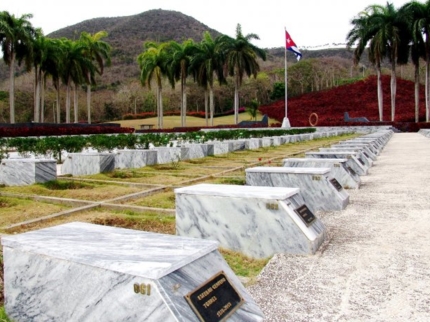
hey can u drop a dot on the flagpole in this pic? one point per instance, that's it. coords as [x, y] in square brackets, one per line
[286, 122]
[286, 82]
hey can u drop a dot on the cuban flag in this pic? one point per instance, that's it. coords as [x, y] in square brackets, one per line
[291, 46]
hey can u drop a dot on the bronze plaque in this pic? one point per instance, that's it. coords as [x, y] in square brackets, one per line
[352, 171]
[307, 216]
[336, 184]
[215, 300]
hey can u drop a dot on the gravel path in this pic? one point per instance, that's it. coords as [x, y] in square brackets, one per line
[375, 264]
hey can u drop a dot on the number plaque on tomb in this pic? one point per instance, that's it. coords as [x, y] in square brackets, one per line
[336, 184]
[305, 214]
[215, 300]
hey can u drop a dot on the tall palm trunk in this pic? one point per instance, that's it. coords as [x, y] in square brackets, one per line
[58, 101]
[236, 100]
[89, 101]
[75, 102]
[183, 103]
[417, 92]
[393, 85]
[211, 104]
[68, 102]
[42, 98]
[379, 89]
[36, 116]
[206, 107]
[159, 108]
[12, 88]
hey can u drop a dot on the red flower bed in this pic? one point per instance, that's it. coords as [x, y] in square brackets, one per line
[358, 99]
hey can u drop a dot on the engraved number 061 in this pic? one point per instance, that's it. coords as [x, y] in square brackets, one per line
[142, 288]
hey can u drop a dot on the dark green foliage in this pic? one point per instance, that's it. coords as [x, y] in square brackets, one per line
[278, 91]
[3, 95]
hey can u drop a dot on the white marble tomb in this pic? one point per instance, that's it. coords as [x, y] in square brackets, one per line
[338, 168]
[256, 221]
[81, 164]
[363, 159]
[167, 154]
[129, 159]
[353, 164]
[19, 172]
[315, 186]
[85, 272]
[367, 149]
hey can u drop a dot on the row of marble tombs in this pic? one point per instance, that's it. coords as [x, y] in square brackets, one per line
[275, 212]
[17, 171]
[85, 272]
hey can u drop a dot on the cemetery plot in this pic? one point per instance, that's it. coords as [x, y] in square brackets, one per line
[165, 200]
[79, 190]
[16, 210]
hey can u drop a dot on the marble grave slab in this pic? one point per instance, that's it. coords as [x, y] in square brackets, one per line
[20, 172]
[338, 168]
[81, 164]
[256, 221]
[367, 149]
[85, 272]
[353, 164]
[132, 159]
[320, 190]
[365, 160]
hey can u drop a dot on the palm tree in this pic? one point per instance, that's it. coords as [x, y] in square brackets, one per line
[241, 58]
[414, 37]
[153, 66]
[98, 51]
[179, 56]
[384, 28]
[360, 36]
[16, 39]
[204, 63]
[388, 41]
[46, 59]
[76, 68]
[418, 17]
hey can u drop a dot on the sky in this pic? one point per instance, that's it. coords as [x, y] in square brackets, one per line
[312, 24]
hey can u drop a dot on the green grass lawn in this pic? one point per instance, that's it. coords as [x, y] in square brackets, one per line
[175, 121]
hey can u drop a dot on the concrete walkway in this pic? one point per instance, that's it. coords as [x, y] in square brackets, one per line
[375, 265]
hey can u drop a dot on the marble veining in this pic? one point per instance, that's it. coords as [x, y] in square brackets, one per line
[358, 153]
[86, 272]
[168, 154]
[338, 169]
[196, 151]
[236, 145]
[253, 144]
[19, 172]
[219, 147]
[79, 164]
[315, 187]
[256, 221]
[352, 161]
[129, 159]
[367, 149]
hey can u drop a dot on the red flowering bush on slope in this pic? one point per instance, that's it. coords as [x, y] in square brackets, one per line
[358, 99]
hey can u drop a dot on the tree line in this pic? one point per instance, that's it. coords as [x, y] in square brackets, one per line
[399, 35]
[70, 62]
[76, 62]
